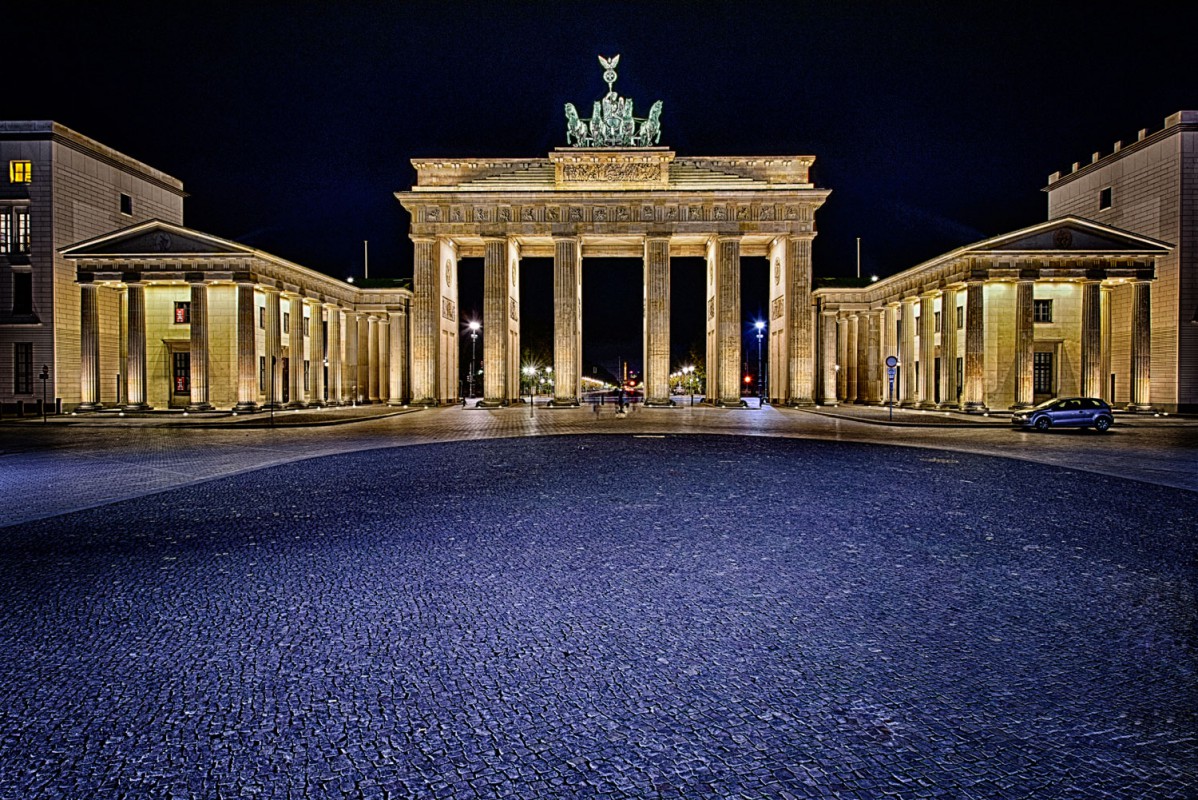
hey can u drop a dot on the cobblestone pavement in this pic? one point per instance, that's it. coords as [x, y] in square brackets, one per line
[73, 463]
[613, 617]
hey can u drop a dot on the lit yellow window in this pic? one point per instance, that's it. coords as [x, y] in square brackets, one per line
[20, 171]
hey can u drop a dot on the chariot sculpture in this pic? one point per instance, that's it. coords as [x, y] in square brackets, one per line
[612, 123]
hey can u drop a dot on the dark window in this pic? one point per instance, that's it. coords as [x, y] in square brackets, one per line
[126, 204]
[1042, 373]
[287, 321]
[182, 373]
[960, 317]
[22, 367]
[182, 312]
[936, 321]
[262, 373]
[1042, 310]
[960, 376]
[1104, 199]
[22, 293]
[307, 370]
[306, 321]
[262, 318]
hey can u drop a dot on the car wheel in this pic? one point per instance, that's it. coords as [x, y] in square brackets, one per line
[1043, 424]
[1102, 424]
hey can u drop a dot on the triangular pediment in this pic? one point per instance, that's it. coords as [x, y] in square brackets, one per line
[1072, 234]
[155, 239]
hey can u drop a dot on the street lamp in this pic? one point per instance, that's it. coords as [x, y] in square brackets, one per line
[45, 376]
[473, 326]
[760, 325]
[530, 373]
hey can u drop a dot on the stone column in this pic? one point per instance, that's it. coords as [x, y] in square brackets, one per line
[871, 366]
[1141, 346]
[657, 321]
[426, 323]
[863, 357]
[316, 352]
[363, 365]
[828, 356]
[728, 332]
[349, 365]
[89, 348]
[907, 389]
[974, 396]
[135, 364]
[890, 347]
[1025, 344]
[384, 357]
[927, 350]
[274, 349]
[801, 343]
[853, 358]
[398, 346]
[336, 391]
[247, 348]
[1091, 339]
[199, 345]
[842, 358]
[496, 330]
[948, 348]
[1108, 391]
[567, 321]
[372, 360]
[295, 352]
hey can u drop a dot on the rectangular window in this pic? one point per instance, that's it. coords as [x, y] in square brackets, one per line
[262, 373]
[287, 321]
[126, 204]
[1042, 373]
[936, 321]
[182, 373]
[22, 367]
[960, 376]
[20, 242]
[1104, 199]
[182, 312]
[307, 371]
[5, 229]
[262, 318]
[960, 317]
[20, 171]
[1042, 310]
[22, 293]
[306, 320]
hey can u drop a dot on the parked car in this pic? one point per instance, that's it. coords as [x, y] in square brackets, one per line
[1066, 412]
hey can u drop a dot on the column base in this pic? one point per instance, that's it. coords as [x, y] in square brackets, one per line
[975, 408]
[802, 402]
[1140, 408]
[491, 403]
[569, 402]
[659, 404]
[396, 402]
[272, 406]
[137, 407]
[332, 403]
[316, 404]
[83, 408]
[296, 404]
[245, 408]
[200, 407]
[1021, 406]
[947, 407]
[731, 404]
[926, 405]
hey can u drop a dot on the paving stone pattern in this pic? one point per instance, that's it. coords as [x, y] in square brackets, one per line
[612, 617]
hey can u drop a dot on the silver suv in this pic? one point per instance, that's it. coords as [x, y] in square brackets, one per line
[1066, 412]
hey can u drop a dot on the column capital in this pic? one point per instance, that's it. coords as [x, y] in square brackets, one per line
[421, 239]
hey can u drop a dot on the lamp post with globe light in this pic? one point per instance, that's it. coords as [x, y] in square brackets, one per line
[473, 326]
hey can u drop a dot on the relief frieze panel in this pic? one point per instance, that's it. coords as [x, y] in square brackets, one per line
[448, 309]
[513, 309]
[777, 307]
[766, 214]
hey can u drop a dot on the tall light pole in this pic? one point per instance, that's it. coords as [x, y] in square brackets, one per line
[760, 325]
[474, 326]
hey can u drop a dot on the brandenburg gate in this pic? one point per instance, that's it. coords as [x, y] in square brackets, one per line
[612, 192]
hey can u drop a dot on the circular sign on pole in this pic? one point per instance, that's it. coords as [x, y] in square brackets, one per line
[891, 362]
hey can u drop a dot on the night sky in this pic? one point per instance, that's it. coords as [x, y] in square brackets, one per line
[934, 124]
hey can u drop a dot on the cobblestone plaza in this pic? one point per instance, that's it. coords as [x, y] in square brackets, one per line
[655, 615]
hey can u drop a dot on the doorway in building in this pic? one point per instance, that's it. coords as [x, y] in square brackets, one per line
[1043, 375]
[286, 381]
[180, 378]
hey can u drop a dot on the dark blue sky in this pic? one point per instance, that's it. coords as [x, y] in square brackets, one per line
[934, 124]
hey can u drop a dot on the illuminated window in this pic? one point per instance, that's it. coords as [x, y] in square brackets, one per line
[126, 204]
[1104, 199]
[1042, 310]
[20, 216]
[182, 373]
[182, 312]
[20, 171]
[22, 369]
[5, 230]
